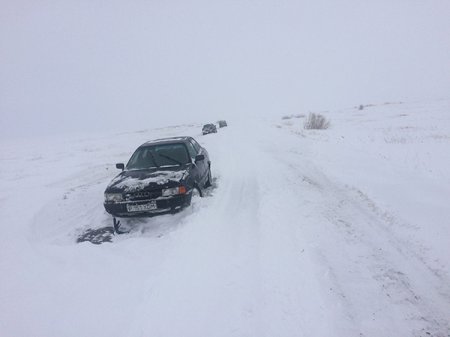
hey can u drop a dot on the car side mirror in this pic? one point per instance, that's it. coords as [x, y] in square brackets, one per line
[120, 166]
[199, 157]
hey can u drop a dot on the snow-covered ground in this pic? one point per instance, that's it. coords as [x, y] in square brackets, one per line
[338, 232]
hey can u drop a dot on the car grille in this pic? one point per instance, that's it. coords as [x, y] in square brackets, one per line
[143, 195]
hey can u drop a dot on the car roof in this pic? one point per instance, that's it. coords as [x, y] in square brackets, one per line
[168, 140]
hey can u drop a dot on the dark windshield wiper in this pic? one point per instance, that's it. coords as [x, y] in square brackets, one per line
[170, 158]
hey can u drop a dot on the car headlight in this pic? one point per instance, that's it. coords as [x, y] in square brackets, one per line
[173, 191]
[113, 197]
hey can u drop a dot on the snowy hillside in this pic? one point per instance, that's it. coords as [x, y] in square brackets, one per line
[337, 232]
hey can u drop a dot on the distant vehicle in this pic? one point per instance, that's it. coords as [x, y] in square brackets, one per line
[160, 177]
[222, 124]
[209, 128]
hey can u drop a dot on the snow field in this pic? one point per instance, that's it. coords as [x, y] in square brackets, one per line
[338, 232]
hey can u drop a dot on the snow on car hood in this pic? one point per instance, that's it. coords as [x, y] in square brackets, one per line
[129, 181]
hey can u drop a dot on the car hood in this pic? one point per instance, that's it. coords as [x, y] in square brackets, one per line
[137, 180]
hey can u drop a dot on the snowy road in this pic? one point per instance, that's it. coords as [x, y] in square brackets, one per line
[279, 247]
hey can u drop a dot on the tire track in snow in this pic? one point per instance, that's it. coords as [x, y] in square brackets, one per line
[381, 281]
[239, 268]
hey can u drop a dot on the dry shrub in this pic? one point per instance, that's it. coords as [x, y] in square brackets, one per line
[316, 122]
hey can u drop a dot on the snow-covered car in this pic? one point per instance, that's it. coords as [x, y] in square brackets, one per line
[161, 176]
[222, 124]
[209, 128]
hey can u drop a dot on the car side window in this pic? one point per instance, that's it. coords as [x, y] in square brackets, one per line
[191, 149]
[196, 145]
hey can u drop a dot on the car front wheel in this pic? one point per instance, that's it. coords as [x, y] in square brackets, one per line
[195, 194]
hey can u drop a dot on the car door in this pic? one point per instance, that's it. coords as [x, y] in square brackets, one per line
[202, 165]
[196, 171]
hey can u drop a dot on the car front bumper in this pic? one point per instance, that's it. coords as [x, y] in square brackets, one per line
[163, 205]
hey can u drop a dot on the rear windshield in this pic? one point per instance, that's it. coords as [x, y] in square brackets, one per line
[154, 156]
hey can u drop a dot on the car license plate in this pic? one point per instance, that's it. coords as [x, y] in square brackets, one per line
[150, 206]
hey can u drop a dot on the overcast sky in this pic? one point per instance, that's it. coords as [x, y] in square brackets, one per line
[104, 65]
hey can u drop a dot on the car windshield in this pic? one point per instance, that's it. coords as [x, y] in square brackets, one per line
[155, 156]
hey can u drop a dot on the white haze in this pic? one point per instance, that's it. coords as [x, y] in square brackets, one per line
[104, 65]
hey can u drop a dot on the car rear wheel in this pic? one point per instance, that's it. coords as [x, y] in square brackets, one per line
[209, 181]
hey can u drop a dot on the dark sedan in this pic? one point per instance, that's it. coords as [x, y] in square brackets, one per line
[161, 176]
[209, 128]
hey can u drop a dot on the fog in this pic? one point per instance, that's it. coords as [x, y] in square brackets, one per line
[90, 66]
